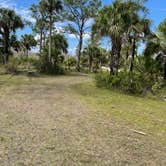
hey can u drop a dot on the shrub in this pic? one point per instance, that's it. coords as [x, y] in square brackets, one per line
[133, 83]
[70, 63]
[24, 63]
[12, 66]
[53, 67]
[159, 88]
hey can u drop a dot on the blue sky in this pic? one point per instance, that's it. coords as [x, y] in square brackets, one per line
[157, 13]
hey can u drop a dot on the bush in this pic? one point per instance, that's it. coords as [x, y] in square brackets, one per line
[12, 66]
[48, 68]
[44, 66]
[24, 61]
[70, 63]
[54, 69]
[54, 63]
[159, 88]
[133, 83]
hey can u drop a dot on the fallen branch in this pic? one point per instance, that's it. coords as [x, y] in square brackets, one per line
[138, 132]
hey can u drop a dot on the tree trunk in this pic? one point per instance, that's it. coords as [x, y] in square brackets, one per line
[115, 55]
[127, 54]
[6, 47]
[133, 55]
[165, 70]
[90, 63]
[27, 53]
[126, 59]
[112, 60]
[79, 52]
[50, 37]
[44, 38]
[4, 59]
[118, 55]
[41, 40]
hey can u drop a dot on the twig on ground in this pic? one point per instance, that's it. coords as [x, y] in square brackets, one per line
[138, 132]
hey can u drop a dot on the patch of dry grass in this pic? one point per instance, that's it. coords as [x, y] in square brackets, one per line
[43, 121]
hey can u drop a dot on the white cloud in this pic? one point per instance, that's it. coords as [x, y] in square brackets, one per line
[60, 30]
[72, 36]
[7, 4]
[72, 51]
[85, 36]
[23, 12]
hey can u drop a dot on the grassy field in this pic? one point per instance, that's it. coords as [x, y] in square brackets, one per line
[147, 115]
[66, 120]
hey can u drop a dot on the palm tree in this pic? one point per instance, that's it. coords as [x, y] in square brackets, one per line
[122, 21]
[52, 7]
[59, 49]
[110, 23]
[156, 47]
[137, 32]
[15, 43]
[9, 22]
[28, 42]
[162, 36]
[58, 52]
[94, 56]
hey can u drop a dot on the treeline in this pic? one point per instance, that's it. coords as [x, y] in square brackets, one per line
[124, 23]
[52, 45]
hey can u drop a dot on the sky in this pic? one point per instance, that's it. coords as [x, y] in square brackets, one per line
[157, 13]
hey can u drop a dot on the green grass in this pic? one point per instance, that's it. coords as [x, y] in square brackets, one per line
[143, 114]
[12, 80]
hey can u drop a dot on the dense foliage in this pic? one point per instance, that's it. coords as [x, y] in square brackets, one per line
[59, 49]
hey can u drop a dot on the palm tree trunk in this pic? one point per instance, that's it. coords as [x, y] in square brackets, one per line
[133, 55]
[6, 47]
[118, 55]
[111, 67]
[115, 55]
[50, 37]
[79, 52]
[112, 60]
